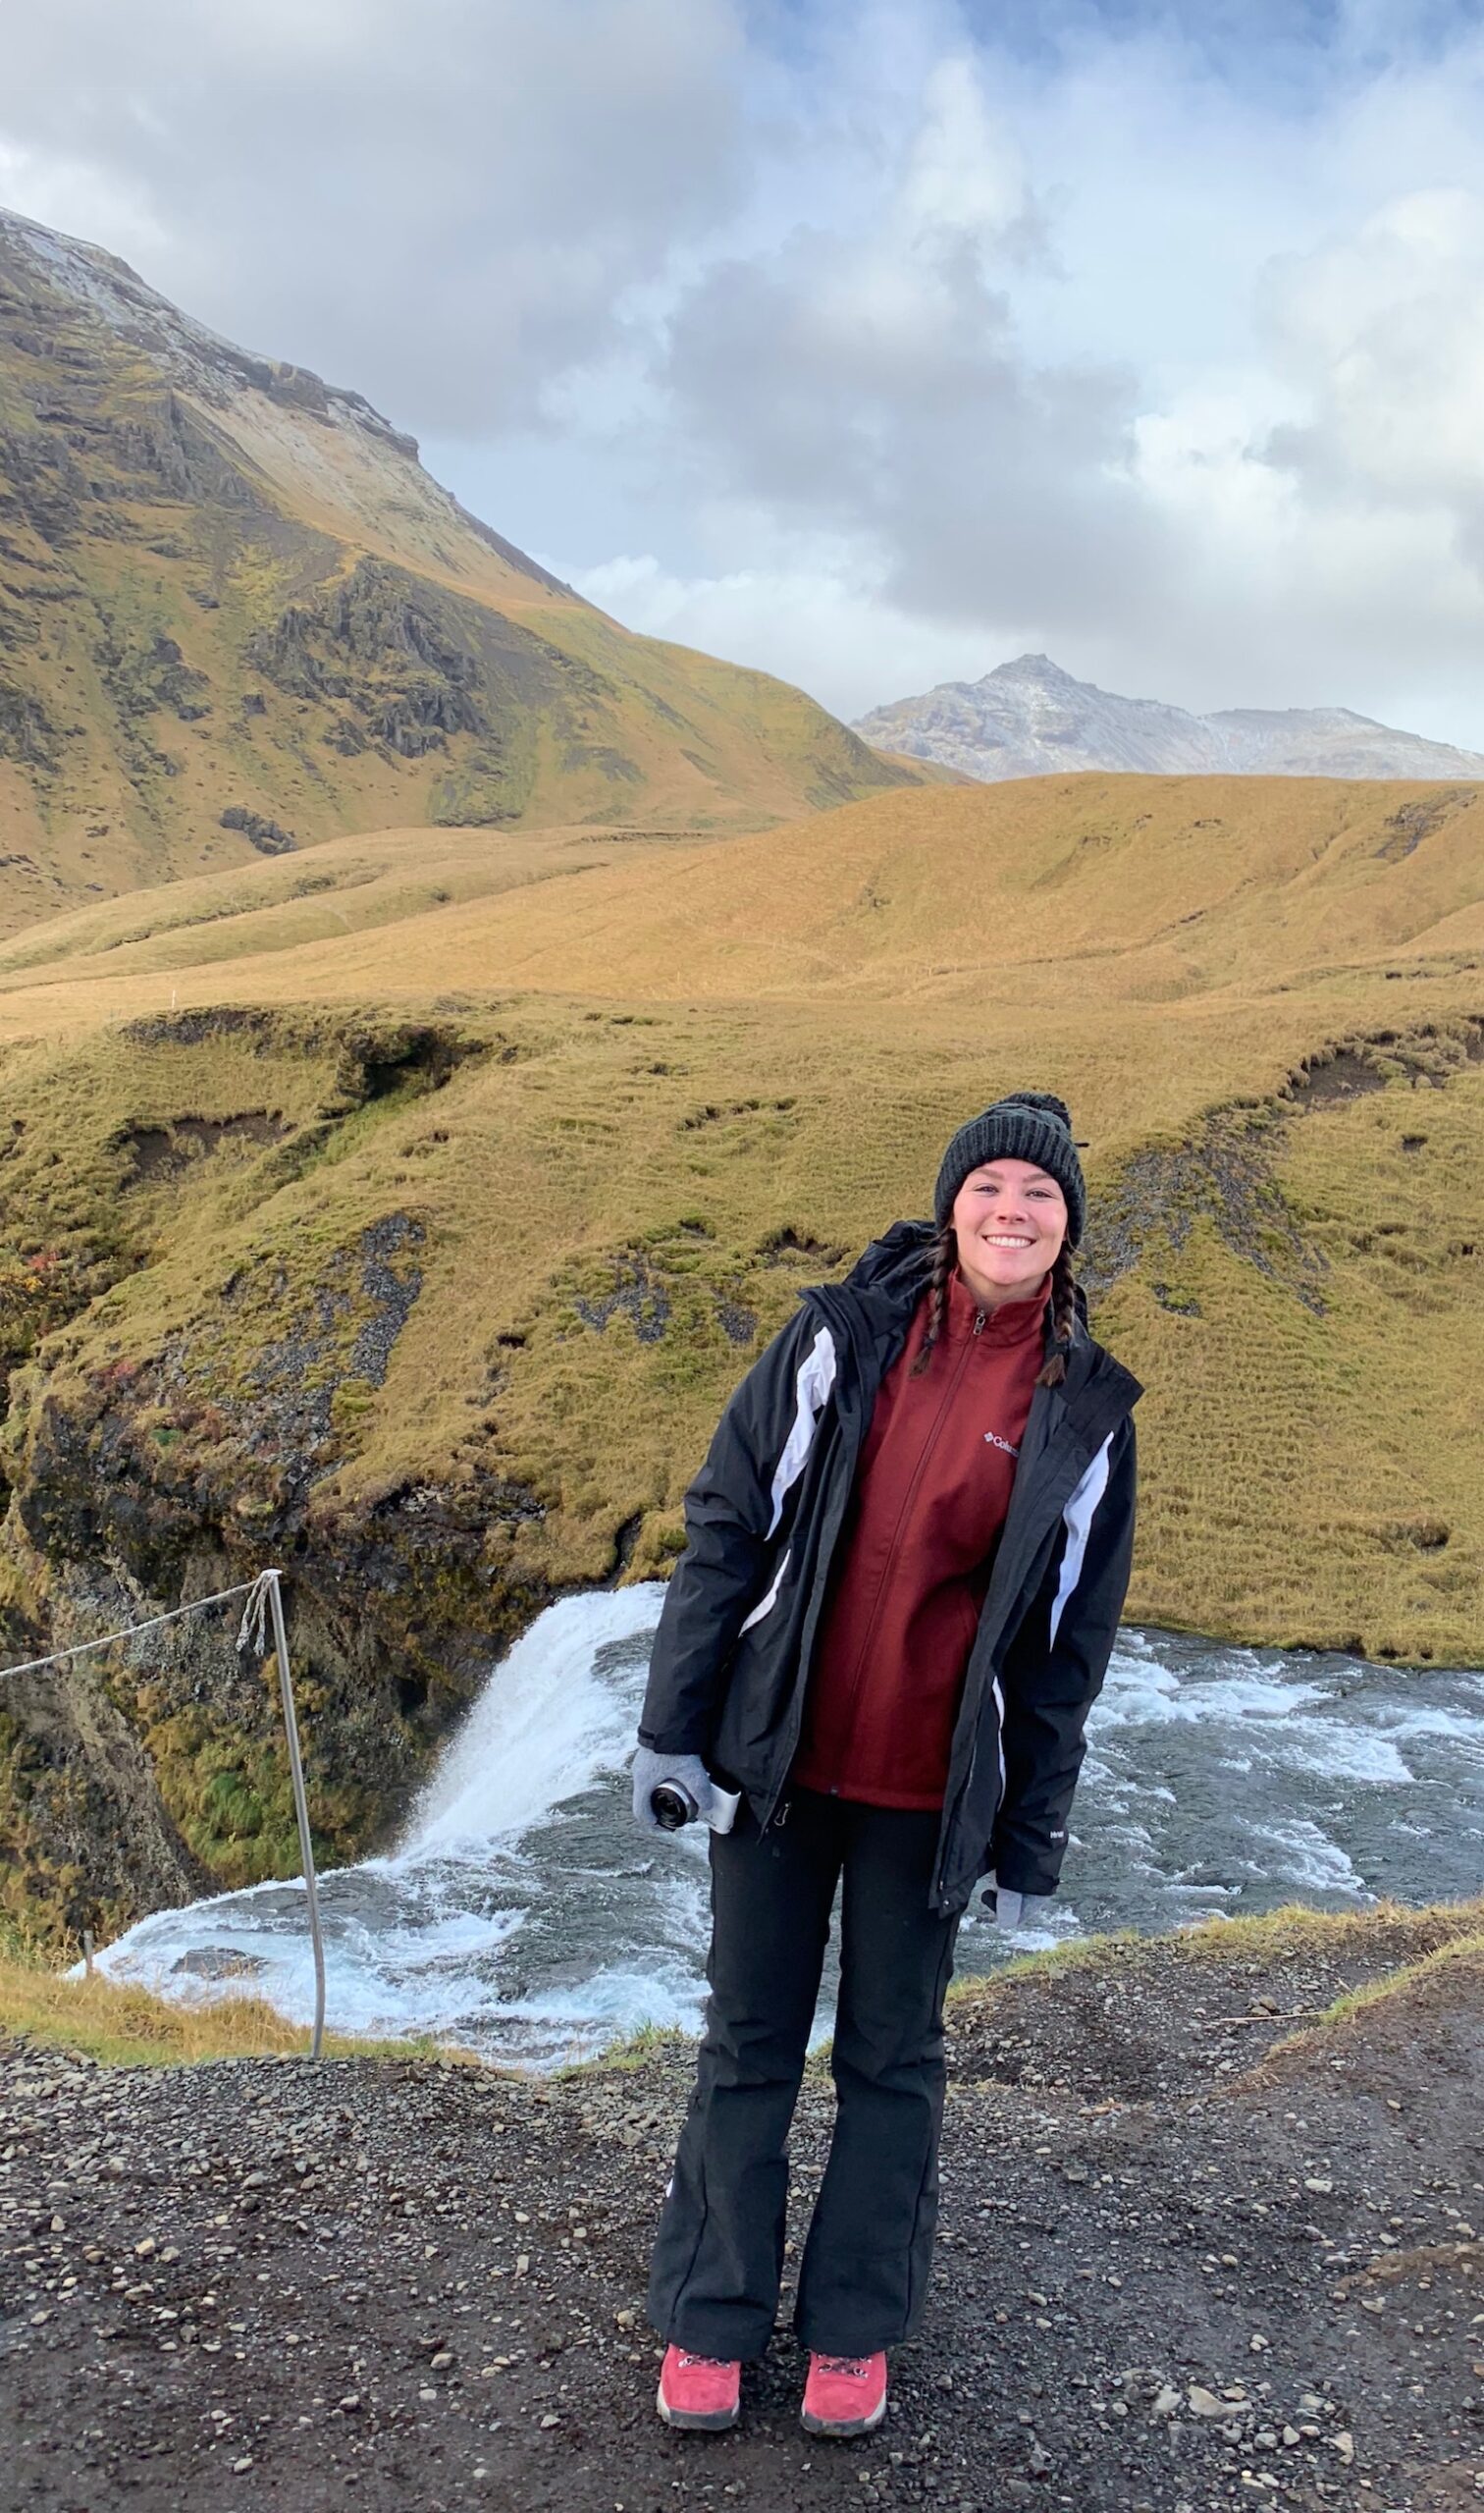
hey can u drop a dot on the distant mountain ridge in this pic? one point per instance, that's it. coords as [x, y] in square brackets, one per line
[1030, 718]
[237, 615]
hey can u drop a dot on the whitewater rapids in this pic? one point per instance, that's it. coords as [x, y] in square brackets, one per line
[523, 1915]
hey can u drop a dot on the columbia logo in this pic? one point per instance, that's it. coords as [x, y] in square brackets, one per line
[995, 1442]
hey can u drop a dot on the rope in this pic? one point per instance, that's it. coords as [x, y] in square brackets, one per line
[253, 1632]
[264, 1597]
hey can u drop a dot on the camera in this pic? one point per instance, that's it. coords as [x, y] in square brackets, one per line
[673, 1807]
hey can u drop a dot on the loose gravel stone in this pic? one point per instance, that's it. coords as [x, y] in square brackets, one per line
[1119, 2223]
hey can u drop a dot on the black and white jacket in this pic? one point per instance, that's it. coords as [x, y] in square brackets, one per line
[732, 1656]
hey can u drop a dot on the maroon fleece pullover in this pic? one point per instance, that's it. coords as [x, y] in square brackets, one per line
[915, 1554]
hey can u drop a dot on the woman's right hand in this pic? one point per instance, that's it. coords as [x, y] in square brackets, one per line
[689, 1773]
[1014, 1912]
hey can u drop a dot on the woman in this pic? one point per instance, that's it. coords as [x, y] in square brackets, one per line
[908, 1551]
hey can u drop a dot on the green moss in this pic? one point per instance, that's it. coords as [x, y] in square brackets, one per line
[489, 788]
[230, 1809]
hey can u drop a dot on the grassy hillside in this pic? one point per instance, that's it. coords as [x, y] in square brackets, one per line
[414, 1228]
[236, 615]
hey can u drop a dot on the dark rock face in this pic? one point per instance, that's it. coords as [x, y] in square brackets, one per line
[170, 1151]
[152, 1772]
[265, 834]
[639, 1294]
[26, 732]
[88, 1841]
[120, 1766]
[408, 667]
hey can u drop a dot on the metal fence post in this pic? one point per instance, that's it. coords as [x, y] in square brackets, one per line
[272, 1579]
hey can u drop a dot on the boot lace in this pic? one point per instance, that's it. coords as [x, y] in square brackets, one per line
[854, 2368]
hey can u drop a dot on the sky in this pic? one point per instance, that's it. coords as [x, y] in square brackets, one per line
[873, 341]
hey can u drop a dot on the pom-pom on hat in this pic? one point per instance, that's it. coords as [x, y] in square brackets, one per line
[1025, 1125]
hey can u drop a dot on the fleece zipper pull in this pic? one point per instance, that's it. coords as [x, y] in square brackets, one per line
[979, 1321]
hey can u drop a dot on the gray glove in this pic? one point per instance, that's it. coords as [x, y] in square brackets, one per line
[1012, 1911]
[649, 1769]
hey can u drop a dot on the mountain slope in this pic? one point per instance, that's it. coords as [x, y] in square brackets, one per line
[1030, 718]
[236, 615]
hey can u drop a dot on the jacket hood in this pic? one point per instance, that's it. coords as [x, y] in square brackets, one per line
[897, 1264]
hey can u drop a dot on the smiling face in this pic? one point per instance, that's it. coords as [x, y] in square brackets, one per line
[1010, 1219]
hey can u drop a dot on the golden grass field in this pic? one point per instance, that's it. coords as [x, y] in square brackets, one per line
[704, 1075]
[124, 2026]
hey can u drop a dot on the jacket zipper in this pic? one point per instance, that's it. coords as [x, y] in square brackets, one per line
[998, 1577]
[1091, 1432]
[847, 1734]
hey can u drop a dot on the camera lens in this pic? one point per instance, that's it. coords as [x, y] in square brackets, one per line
[671, 1805]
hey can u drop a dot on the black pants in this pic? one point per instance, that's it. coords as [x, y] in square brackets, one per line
[717, 2261]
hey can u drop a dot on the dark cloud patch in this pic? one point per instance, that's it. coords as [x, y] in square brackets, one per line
[873, 386]
[1272, 48]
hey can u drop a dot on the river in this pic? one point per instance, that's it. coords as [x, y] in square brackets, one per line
[524, 1917]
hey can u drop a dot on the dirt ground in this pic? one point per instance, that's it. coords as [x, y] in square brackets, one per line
[1175, 2273]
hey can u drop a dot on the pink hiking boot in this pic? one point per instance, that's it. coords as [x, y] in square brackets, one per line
[700, 2394]
[846, 2394]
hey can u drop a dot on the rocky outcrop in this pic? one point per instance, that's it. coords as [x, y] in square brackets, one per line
[154, 1772]
[265, 834]
[405, 668]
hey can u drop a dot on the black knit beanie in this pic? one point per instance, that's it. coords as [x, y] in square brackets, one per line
[1025, 1125]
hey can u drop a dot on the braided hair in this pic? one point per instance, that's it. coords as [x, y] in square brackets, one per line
[944, 1258]
[1063, 1318]
[1063, 1306]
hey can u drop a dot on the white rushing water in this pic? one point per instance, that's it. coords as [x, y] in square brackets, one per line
[524, 1916]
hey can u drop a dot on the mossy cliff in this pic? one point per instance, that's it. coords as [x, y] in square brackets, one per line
[233, 602]
[411, 1232]
[137, 1478]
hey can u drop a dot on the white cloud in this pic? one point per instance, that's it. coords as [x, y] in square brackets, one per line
[1279, 504]
[1383, 332]
[82, 201]
[868, 379]
[823, 625]
[963, 177]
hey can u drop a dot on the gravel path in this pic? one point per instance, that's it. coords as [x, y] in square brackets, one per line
[1175, 2274]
